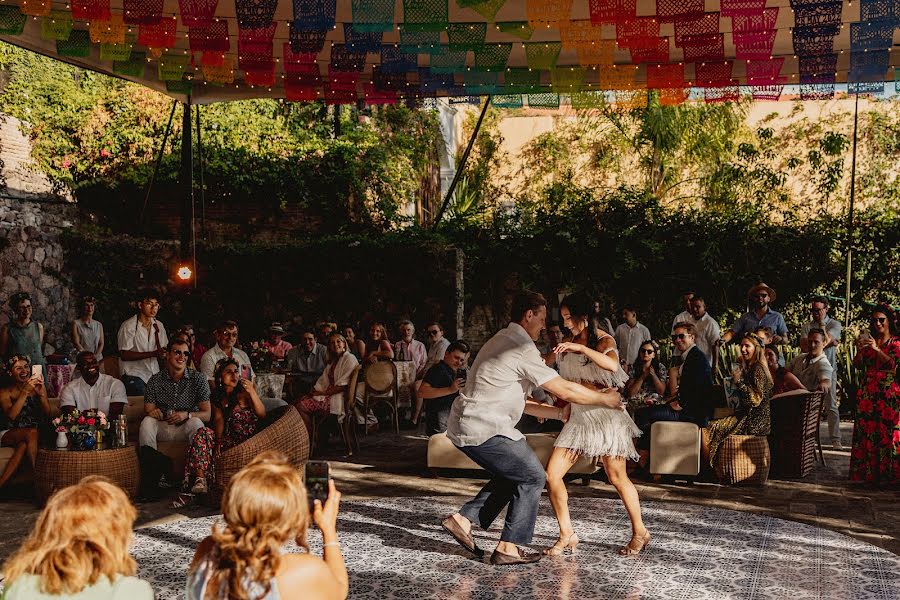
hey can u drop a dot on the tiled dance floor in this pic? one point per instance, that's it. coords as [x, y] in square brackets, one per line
[395, 548]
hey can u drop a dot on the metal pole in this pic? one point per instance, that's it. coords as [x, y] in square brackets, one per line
[462, 164]
[202, 185]
[159, 157]
[187, 174]
[849, 242]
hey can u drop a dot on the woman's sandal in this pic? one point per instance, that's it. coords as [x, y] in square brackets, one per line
[561, 546]
[182, 499]
[636, 544]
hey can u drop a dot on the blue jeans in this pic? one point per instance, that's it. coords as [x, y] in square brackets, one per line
[518, 478]
[134, 386]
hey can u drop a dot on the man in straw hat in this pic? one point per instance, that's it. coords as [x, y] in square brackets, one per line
[275, 342]
[758, 298]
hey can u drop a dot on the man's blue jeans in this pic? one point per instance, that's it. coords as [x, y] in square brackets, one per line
[134, 386]
[518, 478]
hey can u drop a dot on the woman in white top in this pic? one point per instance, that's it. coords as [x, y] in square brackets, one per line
[87, 334]
[327, 395]
[592, 360]
[78, 548]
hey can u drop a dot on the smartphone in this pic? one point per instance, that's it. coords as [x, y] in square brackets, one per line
[37, 371]
[317, 474]
[462, 374]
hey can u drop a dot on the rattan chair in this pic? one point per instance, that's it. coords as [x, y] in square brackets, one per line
[381, 388]
[286, 433]
[743, 459]
[348, 431]
[795, 436]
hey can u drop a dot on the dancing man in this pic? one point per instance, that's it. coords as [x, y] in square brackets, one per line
[482, 425]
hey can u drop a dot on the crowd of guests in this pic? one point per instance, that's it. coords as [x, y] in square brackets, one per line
[80, 545]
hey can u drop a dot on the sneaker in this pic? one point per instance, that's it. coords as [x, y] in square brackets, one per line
[200, 486]
[836, 445]
[164, 483]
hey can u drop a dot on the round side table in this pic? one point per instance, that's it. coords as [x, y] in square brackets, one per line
[56, 469]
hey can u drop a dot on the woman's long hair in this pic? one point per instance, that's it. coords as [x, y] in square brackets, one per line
[892, 324]
[580, 307]
[638, 365]
[82, 535]
[264, 506]
[759, 356]
[226, 401]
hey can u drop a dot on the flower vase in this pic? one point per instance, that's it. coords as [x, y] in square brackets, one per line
[62, 440]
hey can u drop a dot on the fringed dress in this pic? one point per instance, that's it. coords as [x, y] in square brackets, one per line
[596, 430]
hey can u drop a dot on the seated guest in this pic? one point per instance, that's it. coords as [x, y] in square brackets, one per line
[323, 330]
[355, 346]
[765, 334]
[818, 308]
[753, 416]
[378, 346]
[647, 384]
[93, 389]
[22, 335]
[176, 401]
[629, 336]
[79, 548]
[327, 395]
[197, 349]
[87, 333]
[411, 349]
[708, 331]
[759, 297]
[782, 379]
[264, 507]
[441, 386]
[692, 403]
[815, 373]
[184, 336]
[142, 344]
[307, 361]
[435, 343]
[554, 336]
[26, 410]
[275, 342]
[236, 411]
[226, 347]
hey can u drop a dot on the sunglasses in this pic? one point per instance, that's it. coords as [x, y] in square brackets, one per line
[879, 319]
[433, 332]
[760, 296]
[678, 336]
[648, 351]
[181, 352]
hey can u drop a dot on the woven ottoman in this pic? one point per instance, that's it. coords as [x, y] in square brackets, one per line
[286, 434]
[743, 459]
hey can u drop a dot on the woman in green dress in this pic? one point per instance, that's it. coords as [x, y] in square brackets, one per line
[754, 382]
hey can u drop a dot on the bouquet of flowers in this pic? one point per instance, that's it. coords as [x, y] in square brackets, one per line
[83, 427]
[261, 357]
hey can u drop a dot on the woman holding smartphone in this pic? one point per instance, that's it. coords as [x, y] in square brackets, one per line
[25, 409]
[236, 412]
[264, 507]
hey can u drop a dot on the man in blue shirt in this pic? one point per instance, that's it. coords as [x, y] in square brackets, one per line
[759, 297]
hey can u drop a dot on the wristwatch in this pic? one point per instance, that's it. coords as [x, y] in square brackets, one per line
[189, 415]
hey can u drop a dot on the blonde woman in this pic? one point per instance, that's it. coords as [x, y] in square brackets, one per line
[264, 506]
[753, 380]
[79, 548]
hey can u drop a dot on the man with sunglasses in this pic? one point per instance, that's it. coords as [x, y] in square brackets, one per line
[818, 310]
[759, 297]
[176, 401]
[435, 343]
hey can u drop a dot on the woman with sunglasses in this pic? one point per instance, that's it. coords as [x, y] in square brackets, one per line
[591, 359]
[875, 457]
[648, 376]
[753, 380]
[236, 413]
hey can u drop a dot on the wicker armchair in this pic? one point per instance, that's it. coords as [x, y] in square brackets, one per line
[348, 430]
[381, 388]
[285, 433]
[795, 432]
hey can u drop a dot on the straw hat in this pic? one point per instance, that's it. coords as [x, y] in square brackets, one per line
[762, 287]
[276, 328]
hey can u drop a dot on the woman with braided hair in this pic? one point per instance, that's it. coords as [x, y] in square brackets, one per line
[265, 506]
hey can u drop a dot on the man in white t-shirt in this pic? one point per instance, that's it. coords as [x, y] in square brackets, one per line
[482, 425]
[707, 332]
[142, 344]
[226, 339]
[818, 310]
[93, 389]
[815, 373]
[629, 336]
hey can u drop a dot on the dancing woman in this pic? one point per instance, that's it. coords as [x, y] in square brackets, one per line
[591, 359]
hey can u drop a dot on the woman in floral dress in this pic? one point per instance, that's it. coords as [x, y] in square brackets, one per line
[875, 457]
[237, 411]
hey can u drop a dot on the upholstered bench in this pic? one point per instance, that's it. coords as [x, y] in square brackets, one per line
[743, 459]
[674, 448]
[442, 454]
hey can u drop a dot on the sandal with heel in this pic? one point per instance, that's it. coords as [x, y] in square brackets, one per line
[636, 544]
[563, 546]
